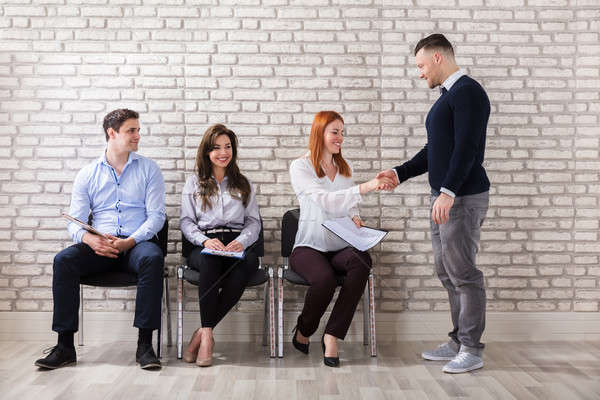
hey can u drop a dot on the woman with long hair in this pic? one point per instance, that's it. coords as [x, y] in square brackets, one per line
[218, 211]
[322, 180]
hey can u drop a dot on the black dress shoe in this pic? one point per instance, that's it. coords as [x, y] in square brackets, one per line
[146, 357]
[329, 361]
[59, 357]
[302, 347]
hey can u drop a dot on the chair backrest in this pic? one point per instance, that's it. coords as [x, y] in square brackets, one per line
[258, 246]
[289, 227]
[163, 237]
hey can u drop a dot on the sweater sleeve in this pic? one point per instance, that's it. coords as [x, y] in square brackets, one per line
[414, 167]
[470, 113]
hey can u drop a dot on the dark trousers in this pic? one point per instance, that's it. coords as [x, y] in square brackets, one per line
[145, 259]
[218, 293]
[455, 246]
[319, 269]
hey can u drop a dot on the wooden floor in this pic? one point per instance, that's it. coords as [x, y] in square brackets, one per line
[524, 370]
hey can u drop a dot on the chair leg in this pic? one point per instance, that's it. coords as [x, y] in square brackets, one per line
[179, 312]
[266, 315]
[372, 315]
[80, 333]
[168, 301]
[366, 316]
[271, 313]
[280, 309]
[159, 331]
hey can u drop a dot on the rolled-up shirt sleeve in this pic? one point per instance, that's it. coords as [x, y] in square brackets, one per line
[306, 183]
[251, 228]
[80, 204]
[188, 222]
[155, 205]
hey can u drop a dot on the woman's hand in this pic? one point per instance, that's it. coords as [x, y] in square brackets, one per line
[234, 245]
[357, 221]
[214, 244]
[380, 183]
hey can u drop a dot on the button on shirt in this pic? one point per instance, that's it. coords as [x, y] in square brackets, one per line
[226, 211]
[321, 199]
[129, 205]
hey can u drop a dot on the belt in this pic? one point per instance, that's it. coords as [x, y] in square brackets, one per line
[221, 230]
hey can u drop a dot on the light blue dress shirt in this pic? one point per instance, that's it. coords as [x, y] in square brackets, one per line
[130, 205]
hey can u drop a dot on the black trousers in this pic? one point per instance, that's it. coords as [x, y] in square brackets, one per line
[319, 269]
[217, 297]
[145, 259]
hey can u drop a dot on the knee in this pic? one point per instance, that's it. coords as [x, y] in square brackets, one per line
[152, 260]
[64, 261]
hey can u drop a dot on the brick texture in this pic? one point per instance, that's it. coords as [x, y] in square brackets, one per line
[264, 67]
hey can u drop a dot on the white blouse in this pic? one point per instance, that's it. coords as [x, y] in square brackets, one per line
[321, 199]
[226, 211]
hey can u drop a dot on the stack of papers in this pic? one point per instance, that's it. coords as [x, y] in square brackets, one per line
[361, 239]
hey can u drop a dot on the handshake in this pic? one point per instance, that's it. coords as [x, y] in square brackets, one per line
[385, 180]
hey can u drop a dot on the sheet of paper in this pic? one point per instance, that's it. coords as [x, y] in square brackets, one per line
[362, 239]
[234, 254]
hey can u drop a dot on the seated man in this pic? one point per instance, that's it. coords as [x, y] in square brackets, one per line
[125, 194]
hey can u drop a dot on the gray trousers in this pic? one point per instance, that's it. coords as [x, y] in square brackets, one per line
[455, 245]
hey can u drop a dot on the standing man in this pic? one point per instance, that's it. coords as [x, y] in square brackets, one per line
[453, 155]
[125, 195]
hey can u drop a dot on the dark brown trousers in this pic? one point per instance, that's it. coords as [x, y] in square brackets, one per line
[319, 269]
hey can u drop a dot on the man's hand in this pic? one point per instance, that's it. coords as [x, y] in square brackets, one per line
[390, 174]
[121, 244]
[234, 245]
[103, 246]
[214, 244]
[357, 221]
[440, 213]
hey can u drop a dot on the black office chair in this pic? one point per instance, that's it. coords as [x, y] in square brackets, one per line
[289, 227]
[127, 279]
[261, 276]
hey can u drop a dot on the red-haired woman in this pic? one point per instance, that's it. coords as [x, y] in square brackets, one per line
[323, 183]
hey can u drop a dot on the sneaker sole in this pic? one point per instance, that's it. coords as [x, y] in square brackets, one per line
[436, 358]
[462, 370]
[66, 364]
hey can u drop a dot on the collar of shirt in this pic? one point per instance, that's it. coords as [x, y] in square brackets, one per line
[132, 156]
[451, 80]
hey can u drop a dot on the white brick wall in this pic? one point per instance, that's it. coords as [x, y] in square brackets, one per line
[264, 67]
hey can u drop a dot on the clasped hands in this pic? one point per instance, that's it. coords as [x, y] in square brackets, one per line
[440, 212]
[107, 245]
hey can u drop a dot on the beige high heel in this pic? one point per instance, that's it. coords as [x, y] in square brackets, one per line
[189, 356]
[205, 362]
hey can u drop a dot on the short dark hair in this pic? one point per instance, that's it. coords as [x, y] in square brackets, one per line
[435, 41]
[115, 119]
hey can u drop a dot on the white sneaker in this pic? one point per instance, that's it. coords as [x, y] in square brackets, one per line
[463, 362]
[444, 352]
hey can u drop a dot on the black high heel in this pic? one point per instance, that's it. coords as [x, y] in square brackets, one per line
[329, 361]
[301, 347]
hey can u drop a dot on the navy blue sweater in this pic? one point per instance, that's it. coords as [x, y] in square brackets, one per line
[456, 127]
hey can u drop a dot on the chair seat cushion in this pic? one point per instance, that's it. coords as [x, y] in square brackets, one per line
[290, 275]
[193, 277]
[111, 279]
